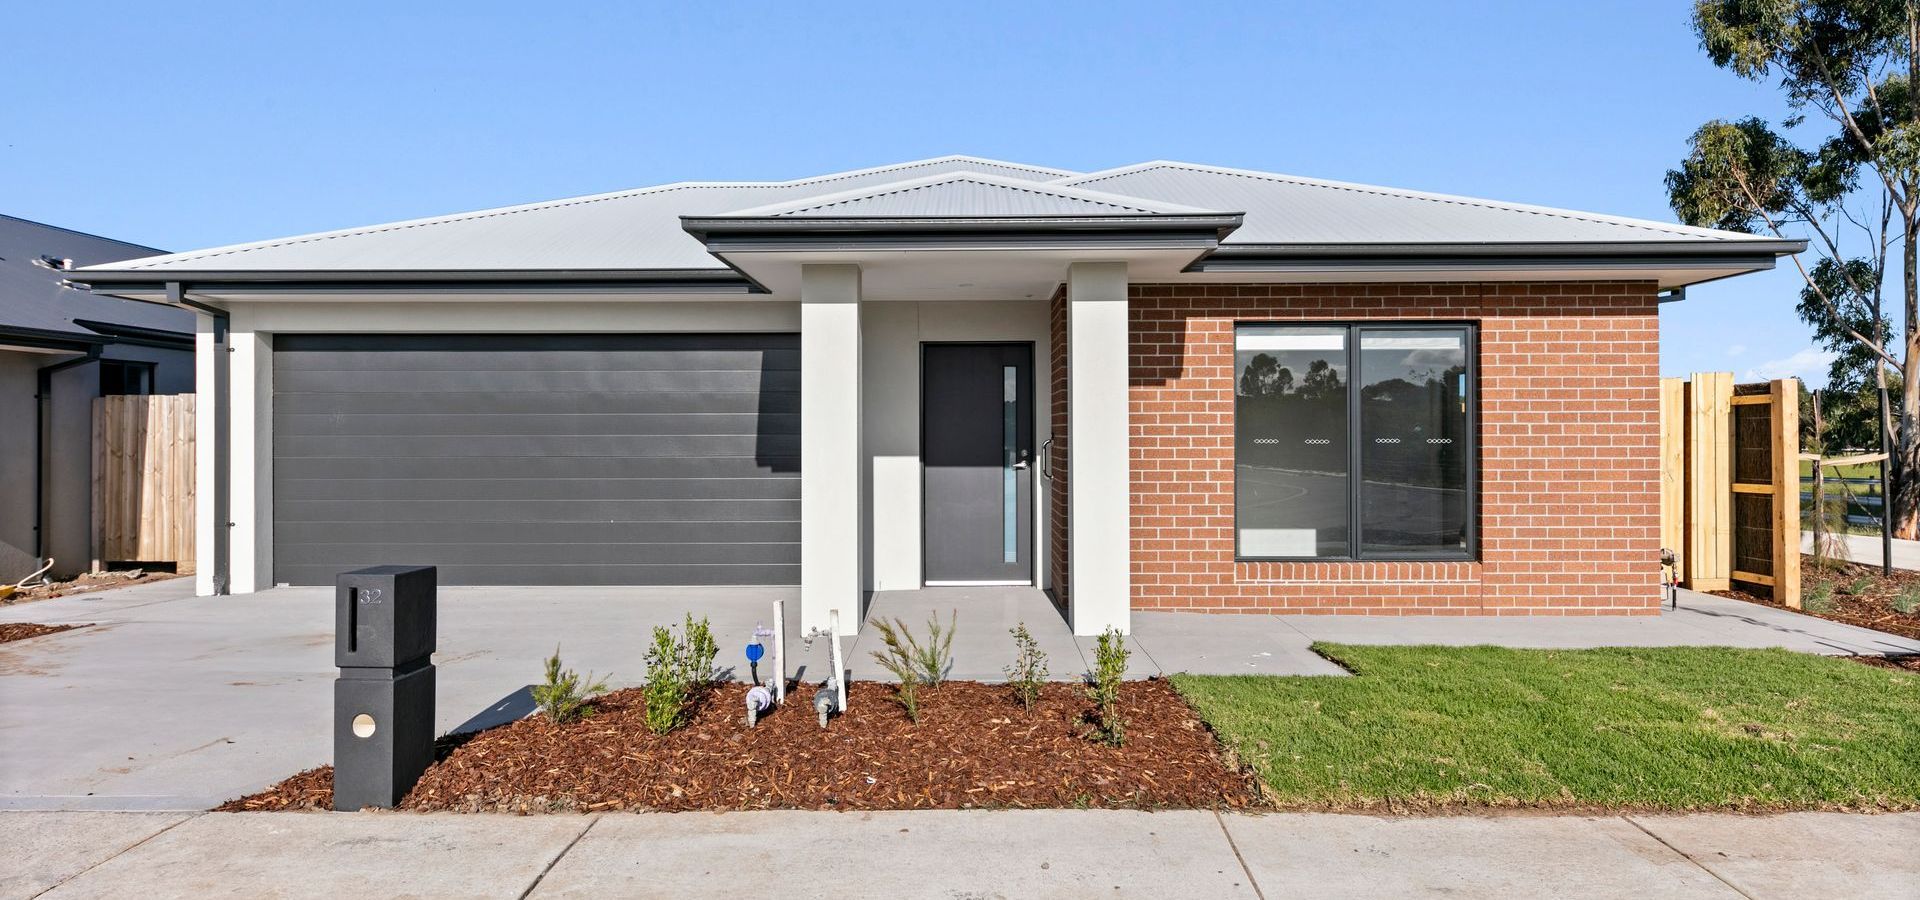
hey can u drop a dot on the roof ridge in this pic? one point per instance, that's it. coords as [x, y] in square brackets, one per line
[558, 203]
[1066, 192]
[1383, 191]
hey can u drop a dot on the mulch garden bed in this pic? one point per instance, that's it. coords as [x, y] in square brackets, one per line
[20, 631]
[974, 747]
[1903, 663]
[87, 582]
[1871, 606]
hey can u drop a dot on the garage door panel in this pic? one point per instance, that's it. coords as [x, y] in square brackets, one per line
[537, 424]
[404, 489]
[612, 533]
[360, 381]
[290, 468]
[741, 359]
[565, 554]
[538, 402]
[538, 459]
[457, 575]
[355, 446]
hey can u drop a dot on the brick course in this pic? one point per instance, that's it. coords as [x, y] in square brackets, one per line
[1568, 463]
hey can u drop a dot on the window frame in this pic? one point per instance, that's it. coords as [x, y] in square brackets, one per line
[1355, 476]
[147, 370]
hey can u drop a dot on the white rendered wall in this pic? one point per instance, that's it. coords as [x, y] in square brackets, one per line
[1098, 437]
[203, 449]
[830, 545]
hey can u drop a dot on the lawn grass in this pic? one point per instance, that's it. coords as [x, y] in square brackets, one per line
[1682, 728]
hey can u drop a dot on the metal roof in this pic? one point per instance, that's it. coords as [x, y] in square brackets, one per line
[33, 300]
[1284, 209]
[968, 194]
[642, 230]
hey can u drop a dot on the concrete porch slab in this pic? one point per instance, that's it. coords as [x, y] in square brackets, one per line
[982, 644]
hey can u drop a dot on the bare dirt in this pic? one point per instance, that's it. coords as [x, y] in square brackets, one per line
[974, 747]
[87, 583]
[20, 631]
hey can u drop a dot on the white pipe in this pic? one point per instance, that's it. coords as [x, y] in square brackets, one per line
[779, 652]
[839, 667]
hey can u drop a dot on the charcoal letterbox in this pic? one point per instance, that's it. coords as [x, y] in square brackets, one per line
[384, 616]
[383, 701]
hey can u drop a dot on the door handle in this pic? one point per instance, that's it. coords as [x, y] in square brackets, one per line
[1046, 471]
[1022, 462]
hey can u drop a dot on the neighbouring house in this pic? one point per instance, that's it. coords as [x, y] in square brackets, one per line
[59, 349]
[1165, 386]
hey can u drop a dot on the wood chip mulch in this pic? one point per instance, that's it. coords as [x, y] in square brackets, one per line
[974, 747]
[20, 631]
[1871, 606]
[1903, 663]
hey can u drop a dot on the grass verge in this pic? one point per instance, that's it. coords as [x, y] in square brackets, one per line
[1686, 728]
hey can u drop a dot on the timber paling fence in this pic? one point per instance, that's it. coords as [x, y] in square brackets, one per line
[143, 480]
[1730, 483]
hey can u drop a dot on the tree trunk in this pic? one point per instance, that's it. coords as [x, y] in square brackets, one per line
[1905, 507]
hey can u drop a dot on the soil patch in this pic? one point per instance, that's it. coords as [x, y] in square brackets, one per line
[20, 631]
[1903, 663]
[1861, 596]
[974, 747]
[88, 583]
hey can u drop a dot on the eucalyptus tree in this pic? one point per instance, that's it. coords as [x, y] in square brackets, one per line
[1848, 70]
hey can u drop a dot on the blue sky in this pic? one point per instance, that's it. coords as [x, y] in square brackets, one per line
[190, 125]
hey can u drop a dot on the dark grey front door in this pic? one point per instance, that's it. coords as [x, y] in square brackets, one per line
[976, 443]
[539, 459]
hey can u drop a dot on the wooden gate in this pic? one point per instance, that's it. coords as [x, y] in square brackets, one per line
[143, 480]
[1730, 483]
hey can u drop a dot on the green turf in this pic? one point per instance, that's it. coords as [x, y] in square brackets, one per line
[1668, 728]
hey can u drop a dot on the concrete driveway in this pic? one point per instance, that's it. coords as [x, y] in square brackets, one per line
[171, 702]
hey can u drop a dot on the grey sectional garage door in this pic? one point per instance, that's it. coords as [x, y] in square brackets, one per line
[538, 459]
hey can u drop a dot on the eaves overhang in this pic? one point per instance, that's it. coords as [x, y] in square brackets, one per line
[764, 234]
[145, 284]
[1710, 259]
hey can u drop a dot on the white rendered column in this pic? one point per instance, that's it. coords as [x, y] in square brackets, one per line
[1099, 467]
[830, 502]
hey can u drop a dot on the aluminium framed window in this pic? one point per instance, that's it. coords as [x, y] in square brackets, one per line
[125, 376]
[1355, 441]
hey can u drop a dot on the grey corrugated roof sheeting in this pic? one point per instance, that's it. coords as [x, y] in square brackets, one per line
[1282, 209]
[969, 195]
[628, 230]
[33, 299]
[642, 230]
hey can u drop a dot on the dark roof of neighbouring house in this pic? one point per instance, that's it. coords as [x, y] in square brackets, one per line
[34, 303]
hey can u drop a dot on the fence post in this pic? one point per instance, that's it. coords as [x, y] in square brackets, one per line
[1786, 491]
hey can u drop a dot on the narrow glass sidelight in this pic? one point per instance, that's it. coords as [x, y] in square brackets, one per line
[1009, 455]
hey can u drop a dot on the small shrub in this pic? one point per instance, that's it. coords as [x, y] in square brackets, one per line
[1029, 669]
[1109, 667]
[912, 663]
[1908, 601]
[563, 694]
[679, 672]
[1819, 598]
[1860, 586]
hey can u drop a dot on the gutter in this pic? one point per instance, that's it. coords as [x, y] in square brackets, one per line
[43, 392]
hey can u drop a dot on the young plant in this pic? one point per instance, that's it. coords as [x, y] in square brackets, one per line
[1109, 667]
[934, 659]
[1860, 586]
[1908, 601]
[563, 694]
[1029, 669]
[1819, 598]
[679, 672]
[899, 657]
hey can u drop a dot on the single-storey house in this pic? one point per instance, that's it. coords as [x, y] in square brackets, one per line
[59, 349]
[1164, 386]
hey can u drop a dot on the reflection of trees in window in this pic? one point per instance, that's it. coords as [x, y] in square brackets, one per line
[1291, 425]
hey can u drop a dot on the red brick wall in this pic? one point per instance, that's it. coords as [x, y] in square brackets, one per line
[1057, 454]
[1569, 432]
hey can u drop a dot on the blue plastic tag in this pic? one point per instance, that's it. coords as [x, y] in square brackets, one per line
[755, 651]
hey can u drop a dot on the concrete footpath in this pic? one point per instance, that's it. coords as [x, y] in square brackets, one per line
[975, 854]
